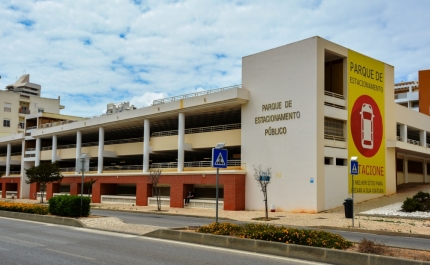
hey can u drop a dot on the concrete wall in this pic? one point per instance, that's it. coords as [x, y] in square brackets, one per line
[287, 73]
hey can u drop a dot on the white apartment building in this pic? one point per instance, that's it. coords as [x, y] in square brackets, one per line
[407, 95]
[19, 100]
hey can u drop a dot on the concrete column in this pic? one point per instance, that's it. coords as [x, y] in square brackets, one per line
[405, 169]
[404, 132]
[423, 138]
[78, 149]
[425, 170]
[54, 148]
[9, 148]
[146, 130]
[101, 149]
[181, 140]
[38, 143]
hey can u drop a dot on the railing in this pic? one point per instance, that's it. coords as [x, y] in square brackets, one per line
[191, 95]
[57, 123]
[334, 100]
[12, 154]
[335, 141]
[30, 149]
[399, 138]
[68, 169]
[15, 173]
[121, 141]
[21, 126]
[193, 164]
[199, 130]
[30, 155]
[11, 194]
[118, 199]
[414, 142]
[400, 95]
[24, 111]
[32, 128]
[115, 168]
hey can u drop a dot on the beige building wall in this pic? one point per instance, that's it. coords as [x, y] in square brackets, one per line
[33, 103]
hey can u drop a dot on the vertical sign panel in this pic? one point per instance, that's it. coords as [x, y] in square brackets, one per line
[366, 124]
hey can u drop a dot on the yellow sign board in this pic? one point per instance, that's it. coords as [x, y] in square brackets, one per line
[366, 124]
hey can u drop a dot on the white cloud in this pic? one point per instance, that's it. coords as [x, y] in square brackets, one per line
[113, 51]
[146, 99]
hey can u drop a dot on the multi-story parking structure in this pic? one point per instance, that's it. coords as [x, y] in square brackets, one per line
[303, 110]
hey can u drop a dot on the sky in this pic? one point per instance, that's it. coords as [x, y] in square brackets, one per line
[94, 52]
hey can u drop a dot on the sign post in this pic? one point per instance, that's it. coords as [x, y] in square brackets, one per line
[219, 160]
[85, 164]
[354, 171]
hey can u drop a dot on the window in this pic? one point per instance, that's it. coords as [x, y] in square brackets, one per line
[21, 125]
[7, 107]
[333, 127]
[328, 160]
[40, 110]
[6, 123]
[340, 162]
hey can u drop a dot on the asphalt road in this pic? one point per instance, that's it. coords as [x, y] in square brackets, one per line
[175, 221]
[25, 242]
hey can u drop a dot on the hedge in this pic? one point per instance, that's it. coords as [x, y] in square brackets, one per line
[23, 208]
[308, 237]
[66, 205]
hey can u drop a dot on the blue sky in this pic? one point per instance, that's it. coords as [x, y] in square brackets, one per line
[94, 52]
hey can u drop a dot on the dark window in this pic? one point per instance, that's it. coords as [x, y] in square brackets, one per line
[6, 123]
[340, 162]
[399, 165]
[415, 167]
[328, 161]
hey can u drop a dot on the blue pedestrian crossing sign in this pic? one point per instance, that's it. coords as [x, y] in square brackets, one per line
[219, 158]
[354, 167]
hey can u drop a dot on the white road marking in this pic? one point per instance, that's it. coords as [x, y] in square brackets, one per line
[19, 242]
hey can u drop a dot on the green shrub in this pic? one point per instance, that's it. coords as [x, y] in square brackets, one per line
[23, 208]
[66, 205]
[316, 238]
[419, 202]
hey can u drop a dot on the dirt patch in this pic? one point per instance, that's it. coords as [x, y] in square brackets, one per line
[404, 253]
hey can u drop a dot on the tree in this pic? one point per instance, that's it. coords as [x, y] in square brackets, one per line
[262, 176]
[89, 184]
[154, 178]
[43, 174]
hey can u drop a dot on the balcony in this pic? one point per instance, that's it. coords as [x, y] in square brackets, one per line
[335, 141]
[24, 111]
[334, 100]
[232, 165]
[191, 95]
[216, 128]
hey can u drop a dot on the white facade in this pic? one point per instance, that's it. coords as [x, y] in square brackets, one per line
[406, 94]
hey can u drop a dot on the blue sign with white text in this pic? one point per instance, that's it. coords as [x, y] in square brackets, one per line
[354, 167]
[219, 158]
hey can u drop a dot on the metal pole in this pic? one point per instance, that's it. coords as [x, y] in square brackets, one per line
[352, 200]
[82, 183]
[216, 210]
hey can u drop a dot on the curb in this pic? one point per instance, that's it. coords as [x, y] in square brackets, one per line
[331, 256]
[376, 232]
[43, 218]
[394, 216]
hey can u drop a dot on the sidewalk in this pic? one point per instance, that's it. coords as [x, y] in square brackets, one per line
[331, 218]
